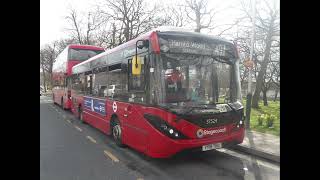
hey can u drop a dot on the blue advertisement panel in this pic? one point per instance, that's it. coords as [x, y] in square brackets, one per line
[95, 105]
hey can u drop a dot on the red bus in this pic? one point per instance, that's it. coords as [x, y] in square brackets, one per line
[61, 70]
[163, 92]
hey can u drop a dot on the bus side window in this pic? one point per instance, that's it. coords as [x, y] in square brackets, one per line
[100, 83]
[116, 83]
[88, 83]
[77, 83]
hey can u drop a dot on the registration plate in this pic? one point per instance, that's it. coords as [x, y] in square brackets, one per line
[211, 146]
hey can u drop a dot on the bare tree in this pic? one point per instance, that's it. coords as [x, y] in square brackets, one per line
[47, 57]
[75, 25]
[82, 29]
[130, 18]
[271, 27]
[197, 12]
[267, 33]
[42, 62]
[63, 43]
[174, 15]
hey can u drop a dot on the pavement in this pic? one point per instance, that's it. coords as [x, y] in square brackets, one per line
[72, 150]
[266, 146]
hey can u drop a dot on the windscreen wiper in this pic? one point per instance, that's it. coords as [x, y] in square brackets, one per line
[191, 108]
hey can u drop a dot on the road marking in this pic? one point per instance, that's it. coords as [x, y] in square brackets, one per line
[247, 173]
[91, 139]
[110, 155]
[64, 116]
[79, 129]
[140, 179]
[69, 121]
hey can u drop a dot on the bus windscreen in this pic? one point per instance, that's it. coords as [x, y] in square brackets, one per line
[82, 54]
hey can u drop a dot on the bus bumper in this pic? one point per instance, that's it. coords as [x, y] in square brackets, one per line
[164, 147]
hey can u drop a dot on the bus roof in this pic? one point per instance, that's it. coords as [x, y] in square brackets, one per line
[81, 46]
[162, 29]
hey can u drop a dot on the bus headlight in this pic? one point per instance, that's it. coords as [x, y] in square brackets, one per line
[164, 127]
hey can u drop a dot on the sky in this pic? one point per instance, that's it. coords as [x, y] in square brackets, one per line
[52, 17]
[53, 23]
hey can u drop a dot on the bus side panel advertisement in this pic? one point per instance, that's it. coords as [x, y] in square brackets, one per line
[95, 105]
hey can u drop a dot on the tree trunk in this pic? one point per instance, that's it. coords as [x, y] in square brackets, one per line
[113, 44]
[276, 95]
[88, 39]
[126, 31]
[264, 64]
[265, 100]
[44, 79]
[198, 29]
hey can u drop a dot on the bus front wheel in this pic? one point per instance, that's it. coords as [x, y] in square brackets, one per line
[116, 132]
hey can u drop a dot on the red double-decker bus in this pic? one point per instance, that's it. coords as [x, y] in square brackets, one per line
[61, 70]
[163, 92]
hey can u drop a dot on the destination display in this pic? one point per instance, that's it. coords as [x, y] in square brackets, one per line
[192, 45]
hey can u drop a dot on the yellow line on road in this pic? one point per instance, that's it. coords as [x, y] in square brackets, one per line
[140, 179]
[69, 121]
[110, 155]
[91, 139]
[79, 129]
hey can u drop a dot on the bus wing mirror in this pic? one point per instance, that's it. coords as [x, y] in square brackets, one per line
[142, 43]
[136, 61]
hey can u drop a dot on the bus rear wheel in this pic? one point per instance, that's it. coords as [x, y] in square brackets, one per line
[116, 132]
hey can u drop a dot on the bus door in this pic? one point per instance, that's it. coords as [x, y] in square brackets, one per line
[135, 128]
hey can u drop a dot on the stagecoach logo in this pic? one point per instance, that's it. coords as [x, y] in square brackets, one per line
[201, 133]
[114, 106]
